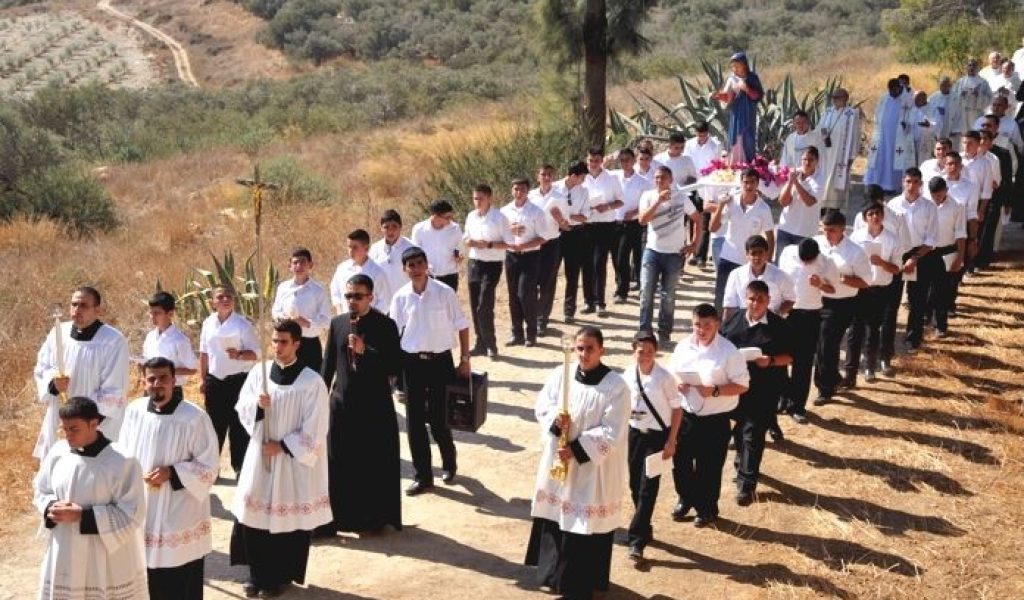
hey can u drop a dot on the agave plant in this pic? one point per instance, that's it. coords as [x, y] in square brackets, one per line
[195, 302]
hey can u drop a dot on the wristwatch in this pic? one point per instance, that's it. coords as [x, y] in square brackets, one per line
[715, 392]
[464, 358]
[490, 245]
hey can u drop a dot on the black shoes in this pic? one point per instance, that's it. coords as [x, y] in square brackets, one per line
[744, 498]
[800, 418]
[680, 511]
[478, 351]
[704, 521]
[619, 300]
[515, 341]
[822, 400]
[492, 353]
[418, 487]
[776, 434]
[448, 476]
[588, 310]
[636, 554]
[530, 343]
[602, 311]
[869, 375]
[887, 370]
[250, 590]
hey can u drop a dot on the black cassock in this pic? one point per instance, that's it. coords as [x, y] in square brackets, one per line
[363, 446]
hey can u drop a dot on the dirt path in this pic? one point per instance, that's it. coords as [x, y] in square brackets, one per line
[181, 62]
[903, 489]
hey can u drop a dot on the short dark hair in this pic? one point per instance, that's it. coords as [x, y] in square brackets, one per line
[973, 135]
[79, 407]
[591, 331]
[945, 142]
[705, 310]
[644, 150]
[291, 327]
[440, 206]
[546, 167]
[992, 117]
[702, 127]
[520, 181]
[749, 172]
[801, 113]
[361, 279]
[159, 362]
[988, 135]
[808, 249]
[595, 151]
[88, 290]
[833, 217]
[812, 151]
[577, 167]
[361, 235]
[391, 216]
[759, 287]
[937, 184]
[162, 299]
[665, 170]
[484, 189]
[954, 155]
[677, 137]
[903, 77]
[644, 335]
[627, 152]
[755, 242]
[412, 253]
[301, 252]
[874, 191]
[913, 172]
[872, 206]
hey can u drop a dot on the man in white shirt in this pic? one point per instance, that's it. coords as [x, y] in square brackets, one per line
[840, 138]
[966, 192]
[228, 347]
[645, 163]
[304, 300]
[950, 240]
[757, 267]
[359, 261]
[629, 248]
[711, 374]
[839, 306]
[990, 72]
[802, 138]
[919, 265]
[740, 215]
[167, 341]
[577, 247]
[946, 106]
[702, 150]
[1006, 129]
[556, 214]
[428, 317]
[487, 235]
[662, 210]
[526, 222]
[935, 167]
[605, 194]
[683, 169]
[387, 252]
[800, 200]
[441, 238]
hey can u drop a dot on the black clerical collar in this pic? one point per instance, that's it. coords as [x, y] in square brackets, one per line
[93, 449]
[285, 375]
[167, 409]
[86, 335]
[593, 376]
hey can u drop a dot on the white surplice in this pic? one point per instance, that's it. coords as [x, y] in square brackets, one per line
[842, 127]
[293, 494]
[177, 527]
[591, 498]
[97, 369]
[108, 565]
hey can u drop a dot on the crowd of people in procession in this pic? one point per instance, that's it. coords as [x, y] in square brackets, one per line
[313, 432]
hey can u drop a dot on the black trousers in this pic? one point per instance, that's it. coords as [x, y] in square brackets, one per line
[698, 462]
[628, 254]
[805, 326]
[836, 316]
[917, 294]
[893, 298]
[451, 280]
[221, 397]
[866, 324]
[483, 283]
[572, 564]
[184, 582]
[578, 256]
[547, 279]
[752, 418]
[311, 353]
[274, 559]
[425, 380]
[987, 233]
[522, 292]
[941, 296]
[605, 237]
[642, 489]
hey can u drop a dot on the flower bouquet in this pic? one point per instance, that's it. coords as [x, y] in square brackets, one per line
[721, 173]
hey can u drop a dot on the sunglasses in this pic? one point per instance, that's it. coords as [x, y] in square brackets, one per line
[355, 295]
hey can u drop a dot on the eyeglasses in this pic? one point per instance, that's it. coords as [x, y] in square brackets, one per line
[355, 295]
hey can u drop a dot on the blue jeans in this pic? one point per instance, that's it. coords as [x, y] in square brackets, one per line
[722, 270]
[783, 239]
[716, 249]
[667, 266]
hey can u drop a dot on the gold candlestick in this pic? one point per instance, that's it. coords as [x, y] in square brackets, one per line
[58, 340]
[560, 470]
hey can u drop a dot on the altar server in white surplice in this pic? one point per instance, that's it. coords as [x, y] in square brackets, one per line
[840, 144]
[91, 499]
[175, 444]
[574, 520]
[95, 366]
[282, 493]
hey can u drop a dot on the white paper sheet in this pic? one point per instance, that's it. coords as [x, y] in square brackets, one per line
[655, 465]
[751, 353]
[230, 340]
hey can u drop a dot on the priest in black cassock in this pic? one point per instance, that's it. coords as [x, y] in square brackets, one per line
[363, 448]
[757, 327]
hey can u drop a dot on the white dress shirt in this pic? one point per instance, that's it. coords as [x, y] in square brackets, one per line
[308, 301]
[381, 283]
[545, 202]
[215, 338]
[530, 217]
[965, 192]
[795, 144]
[603, 189]
[849, 260]
[632, 188]
[440, 245]
[798, 218]
[886, 245]
[718, 363]
[702, 154]
[807, 296]
[666, 233]
[427, 322]
[577, 199]
[740, 224]
[390, 259]
[173, 345]
[492, 226]
[661, 390]
[952, 226]
[682, 167]
[780, 287]
[919, 220]
[978, 170]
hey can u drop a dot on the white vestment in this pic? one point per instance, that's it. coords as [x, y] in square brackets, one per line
[904, 153]
[97, 369]
[591, 498]
[946, 109]
[842, 129]
[293, 494]
[108, 565]
[795, 145]
[177, 527]
[975, 95]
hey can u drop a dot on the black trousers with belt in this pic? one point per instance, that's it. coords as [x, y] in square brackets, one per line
[221, 397]
[522, 269]
[550, 255]
[836, 316]
[483, 283]
[578, 257]
[806, 328]
[753, 416]
[928, 268]
[698, 462]
[311, 353]
[628, 254]
[451, 280]
[890, 310]
[867, 324]
[643, 489]
[605, 238]
[426, 376]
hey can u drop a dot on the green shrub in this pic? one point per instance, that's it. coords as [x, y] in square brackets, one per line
[298, 185]
[71, 197]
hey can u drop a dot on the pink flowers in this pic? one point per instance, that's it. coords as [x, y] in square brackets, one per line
[769, 171]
